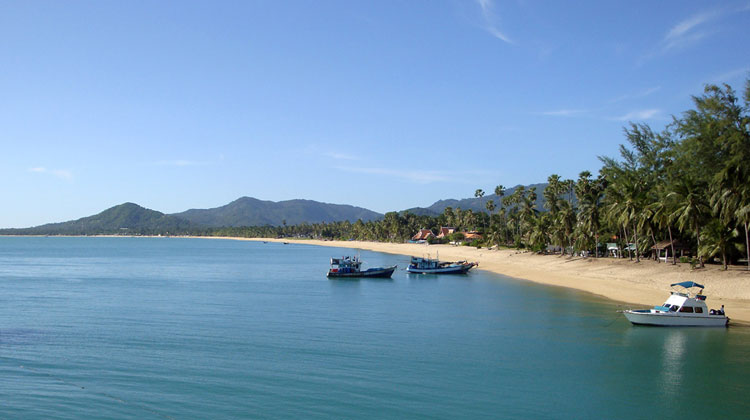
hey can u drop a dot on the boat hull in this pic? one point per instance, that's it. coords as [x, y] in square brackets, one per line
[385, 272]
[463, 269]
[672, 319]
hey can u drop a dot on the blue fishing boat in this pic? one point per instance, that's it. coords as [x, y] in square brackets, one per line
[434, 266]
[352, 267]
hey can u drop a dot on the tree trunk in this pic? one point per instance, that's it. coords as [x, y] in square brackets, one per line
[698, 236]
[627, 242]
[724, 257]
[747, 247]
[653, 239]
[635, 242]
[671, 244]
[596, 246]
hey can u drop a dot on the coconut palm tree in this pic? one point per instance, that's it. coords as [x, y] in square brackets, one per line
[539, 232]
[589, 193]
[661, 213]
[731, 202]
[566, 222]
[479, 193]
[691, 209]
[527, 210]
[490, 205]
[717, 239]
[626, 200]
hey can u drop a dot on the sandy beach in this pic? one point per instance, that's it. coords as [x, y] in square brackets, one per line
[643, 284]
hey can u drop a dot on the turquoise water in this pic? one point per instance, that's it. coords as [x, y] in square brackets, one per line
[114, 328]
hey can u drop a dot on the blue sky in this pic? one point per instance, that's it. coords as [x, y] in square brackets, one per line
[385, 105]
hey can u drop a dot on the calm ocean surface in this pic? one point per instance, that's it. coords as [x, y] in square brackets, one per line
[122, 328]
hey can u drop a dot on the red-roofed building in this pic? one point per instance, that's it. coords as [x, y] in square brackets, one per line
[422, 235]
[473, 235]
[445, 231]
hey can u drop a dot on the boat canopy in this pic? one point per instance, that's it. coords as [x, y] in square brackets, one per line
[688, 284]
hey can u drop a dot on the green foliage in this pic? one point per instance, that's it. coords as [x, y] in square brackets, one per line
[692, 177]
[456, 237]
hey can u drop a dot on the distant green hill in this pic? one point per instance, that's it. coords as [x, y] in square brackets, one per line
[479, 204]
[127, 218]
[247, 211]
[132, 219]
[420, 211]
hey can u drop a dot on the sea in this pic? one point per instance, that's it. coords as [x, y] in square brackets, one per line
[178, 328]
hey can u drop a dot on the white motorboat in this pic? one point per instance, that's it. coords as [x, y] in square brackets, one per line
[682, 309]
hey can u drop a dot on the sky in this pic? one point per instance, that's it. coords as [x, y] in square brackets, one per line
[385, 105]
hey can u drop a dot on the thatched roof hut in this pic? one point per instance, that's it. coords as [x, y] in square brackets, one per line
[667, 246]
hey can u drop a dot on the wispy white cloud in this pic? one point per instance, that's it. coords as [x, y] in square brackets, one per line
[643, 114]
[59, 173]
[731, 75]
[340, 156]
[698, 26]
[490, 20]
[635, 95]
[415, 176]
[690, 30]
[566, 112]
[181, 162]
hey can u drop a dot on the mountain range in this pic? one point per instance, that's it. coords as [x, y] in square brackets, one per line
[247, 211]
[476, 204]
[127, 218]
[130, 218]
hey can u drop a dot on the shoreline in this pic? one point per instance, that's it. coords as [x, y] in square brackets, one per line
[644, 284]
[641, 285]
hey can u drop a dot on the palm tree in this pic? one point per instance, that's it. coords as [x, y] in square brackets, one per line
[566, 221]
[553, 203]
[539, 232]
[731, 203]
[660, 212]
[717, 239]
[589, 193]
[500, 190]
[552, 193]
[626, 196]
[490, 206]
[691, 209]
[479, 193]
[527, 211]
[448, 215]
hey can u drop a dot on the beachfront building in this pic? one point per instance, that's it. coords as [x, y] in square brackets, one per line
[423, 235]
[472, 236]
[445, 231]
[665, 247]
